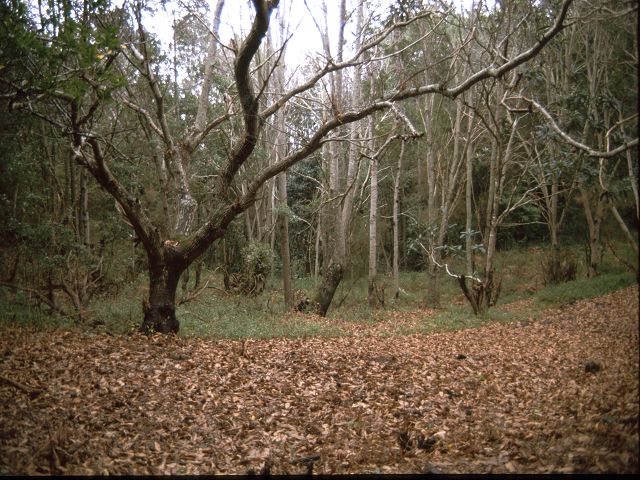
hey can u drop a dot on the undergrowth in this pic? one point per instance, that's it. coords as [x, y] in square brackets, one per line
[562, 293]
[217, 314]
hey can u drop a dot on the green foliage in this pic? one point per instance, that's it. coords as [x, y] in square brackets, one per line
[124, 315]
[257, 259]
[257, 262]
[461, 317]
[524, 226]
[75, 39]
[17, 308]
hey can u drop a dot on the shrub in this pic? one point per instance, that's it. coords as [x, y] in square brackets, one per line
[257, 262]
[559, 270]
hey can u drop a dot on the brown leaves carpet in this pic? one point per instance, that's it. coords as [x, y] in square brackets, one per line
[556, 395]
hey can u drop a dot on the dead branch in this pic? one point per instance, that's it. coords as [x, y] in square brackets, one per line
[19, 386]
[192, 295]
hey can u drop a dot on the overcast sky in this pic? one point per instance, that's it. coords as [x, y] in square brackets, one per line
[305, 38]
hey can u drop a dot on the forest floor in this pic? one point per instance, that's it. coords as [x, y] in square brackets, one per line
[557, 394]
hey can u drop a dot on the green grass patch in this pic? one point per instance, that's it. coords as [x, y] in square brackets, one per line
[554, 295]
[237, 325]
[17, 313]
[461, 317]
[235, 317]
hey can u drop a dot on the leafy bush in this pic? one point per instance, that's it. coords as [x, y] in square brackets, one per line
[257, 262]
[257, 259]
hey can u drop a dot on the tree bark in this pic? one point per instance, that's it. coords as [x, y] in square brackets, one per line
[281, 152]
[83, 210]
[160, 309]
[284, 242]
[335, 245]
[594, 222]
[469, 210]
[396, 226]
[373, 234]
[327, 289]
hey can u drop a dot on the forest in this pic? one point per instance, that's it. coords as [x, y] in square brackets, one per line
[318, 236]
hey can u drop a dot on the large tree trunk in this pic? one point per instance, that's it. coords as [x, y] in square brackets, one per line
[481, 295]
[160, 309]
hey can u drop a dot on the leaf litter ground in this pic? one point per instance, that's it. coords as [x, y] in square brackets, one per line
[555, 395]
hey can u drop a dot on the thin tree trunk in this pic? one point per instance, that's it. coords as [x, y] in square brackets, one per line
[281, 180]
[284, 241]
[71, 190]
[373, 238]
[396, 226]
[83, 210]
[334, 259]
[623, 227]
[553, 231]
[431, 287]
[594, 222]
[469, 211]
[316, 265]
[353, 150]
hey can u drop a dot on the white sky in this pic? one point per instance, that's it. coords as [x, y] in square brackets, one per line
[237, 14]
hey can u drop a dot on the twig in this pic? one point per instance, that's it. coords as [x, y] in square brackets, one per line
[568, 139]
[193, 294]
[19, 386]
[446, 266]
